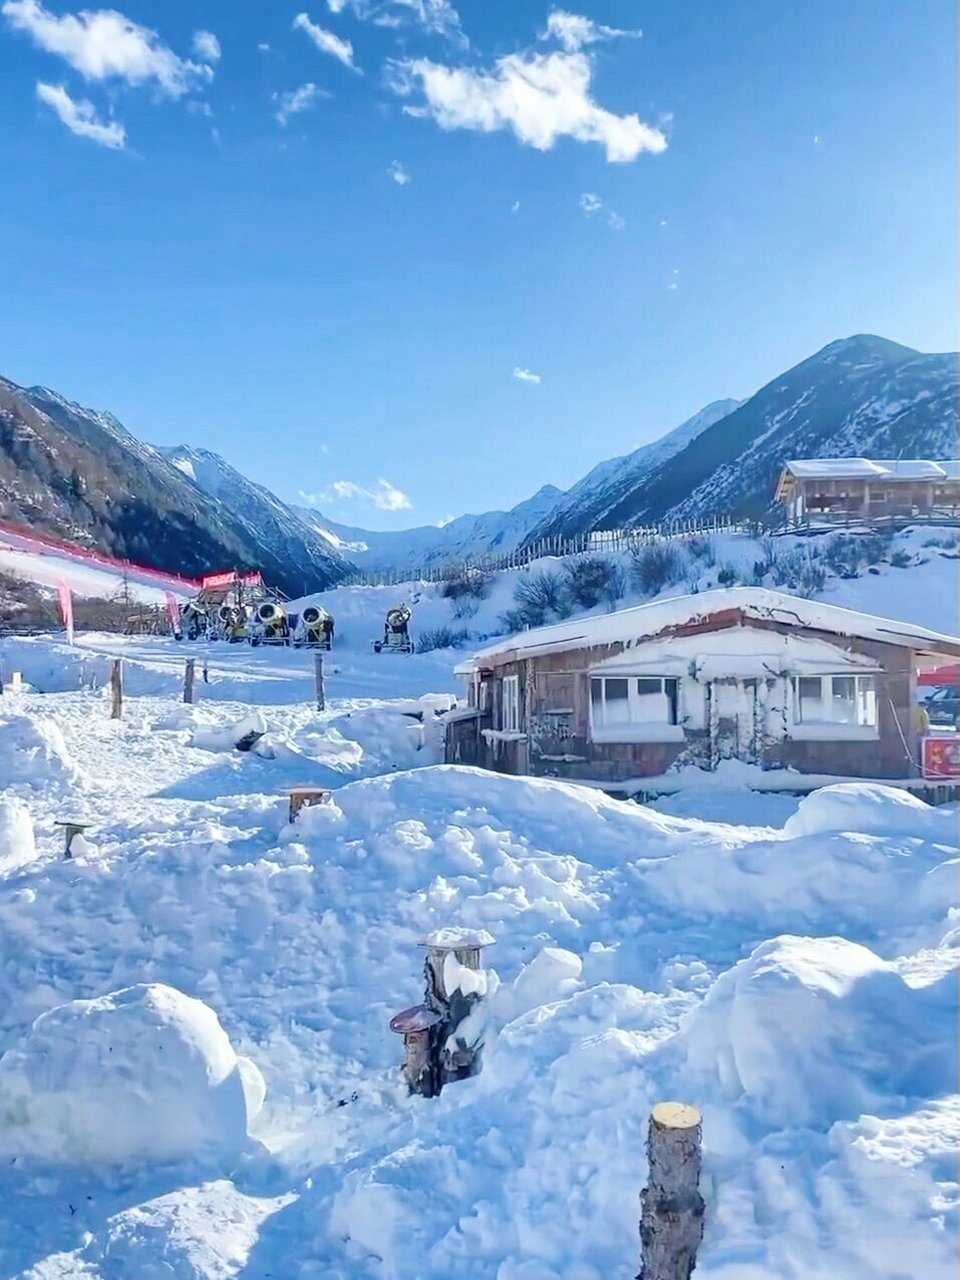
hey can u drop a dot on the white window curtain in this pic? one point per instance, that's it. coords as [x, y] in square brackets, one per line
[835, 700]
[511, 704]
[632, 701]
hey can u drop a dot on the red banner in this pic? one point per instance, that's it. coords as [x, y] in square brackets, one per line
[230, 578]
[173, 611]
[941, 757]
[66, 608]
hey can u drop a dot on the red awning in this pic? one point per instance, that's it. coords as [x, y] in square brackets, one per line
[949, 674]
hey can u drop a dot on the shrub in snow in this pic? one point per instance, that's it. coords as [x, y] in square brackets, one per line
[700, 547]
[589, 580]
[727, 575]
[17, 845]
[33, 751]
[538, 595]
[814, 1030]
[655, 566]
[870, 808]
[145, 1075]
[513, 620]
[442, 638]
[800, 571]
[901, 560]
[462, 580]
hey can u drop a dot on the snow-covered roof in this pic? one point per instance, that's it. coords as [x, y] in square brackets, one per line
[888, 469]
[629, 626]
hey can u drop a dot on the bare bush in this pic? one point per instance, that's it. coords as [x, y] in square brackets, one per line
[727, 575]
[540, 594]
[442, 638]
[655, 566]
[513, 620]
[589, 580]
[800, 571]
[465, 581]
[700, 546]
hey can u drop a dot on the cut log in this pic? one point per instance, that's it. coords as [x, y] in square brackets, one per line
[671, 1219]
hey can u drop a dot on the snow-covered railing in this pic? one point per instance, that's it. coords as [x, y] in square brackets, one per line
[597, 542]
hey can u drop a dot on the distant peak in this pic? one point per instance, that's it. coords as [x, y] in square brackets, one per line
[868, 346]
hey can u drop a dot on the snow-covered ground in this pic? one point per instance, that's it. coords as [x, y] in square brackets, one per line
[197, 1079]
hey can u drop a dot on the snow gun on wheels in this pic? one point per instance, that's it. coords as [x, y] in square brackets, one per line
[272, 626]
[315, 629]
[232, 622]
[396, 632]
[194, 621]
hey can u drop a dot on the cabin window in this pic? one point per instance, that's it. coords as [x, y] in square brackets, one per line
[511, 704]
[836, 700]
[483, 692]
[633, 700]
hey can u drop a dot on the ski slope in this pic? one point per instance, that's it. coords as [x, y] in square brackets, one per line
[47, 563]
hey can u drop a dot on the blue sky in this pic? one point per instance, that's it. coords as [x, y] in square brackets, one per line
[204, 229]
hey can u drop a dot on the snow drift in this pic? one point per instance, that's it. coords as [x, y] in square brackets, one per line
[145, 1075]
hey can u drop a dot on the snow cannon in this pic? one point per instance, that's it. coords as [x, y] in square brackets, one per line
[194, 622]
[233, 622]
[315, 629]
[396, 632]
[272, 625]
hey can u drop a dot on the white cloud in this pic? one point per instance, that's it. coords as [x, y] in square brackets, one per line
[327, 42]
[263, 47]
[398, 173]
[294, 101]
[524, 375]
[515, 207]
[540, 97]
[591, 204]
[384, 495]
[574, 31]
[102, 44]
[438, 17]
[206, 46]
[80, 117]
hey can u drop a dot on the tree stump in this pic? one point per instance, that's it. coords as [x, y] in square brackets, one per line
[671, 1219]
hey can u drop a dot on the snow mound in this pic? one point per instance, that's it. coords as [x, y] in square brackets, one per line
[813, 1030]
[144, 1075]
[871, 809]
[226, 737]
[32, 751]
[17, 845]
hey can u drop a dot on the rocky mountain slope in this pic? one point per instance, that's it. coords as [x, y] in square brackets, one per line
[79, 474]
[859, 396]
[603, 489]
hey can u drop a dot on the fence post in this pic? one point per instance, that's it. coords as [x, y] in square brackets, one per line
[671, 1215]
[189, 675]
[318, 681]
[116, 689]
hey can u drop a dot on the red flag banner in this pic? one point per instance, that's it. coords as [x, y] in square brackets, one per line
[173, 611]
[66, 608]
[211, 580]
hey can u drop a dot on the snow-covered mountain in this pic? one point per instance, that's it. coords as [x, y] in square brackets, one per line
[80, 474]
[466, 536]
[281, 532]
[858, 396]
[604, 488]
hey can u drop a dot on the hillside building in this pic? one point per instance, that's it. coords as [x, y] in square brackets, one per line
[864, 489]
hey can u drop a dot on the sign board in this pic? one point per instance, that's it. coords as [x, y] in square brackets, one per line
[230, 578]
[941, 756]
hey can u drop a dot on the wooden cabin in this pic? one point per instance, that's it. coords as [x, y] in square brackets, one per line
[861, 489]
[743, 673]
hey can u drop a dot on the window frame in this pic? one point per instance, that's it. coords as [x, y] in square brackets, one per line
[634, 729]
[866, 705]
[510, 704]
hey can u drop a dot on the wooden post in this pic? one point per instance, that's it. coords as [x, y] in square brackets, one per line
[206, 672]
[116, 689]
[671, 1217]
[318, 680]
[189, 675]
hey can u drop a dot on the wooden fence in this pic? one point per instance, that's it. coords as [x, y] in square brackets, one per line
[600, 542]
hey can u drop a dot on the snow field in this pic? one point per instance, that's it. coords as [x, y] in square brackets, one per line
[788, 966]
